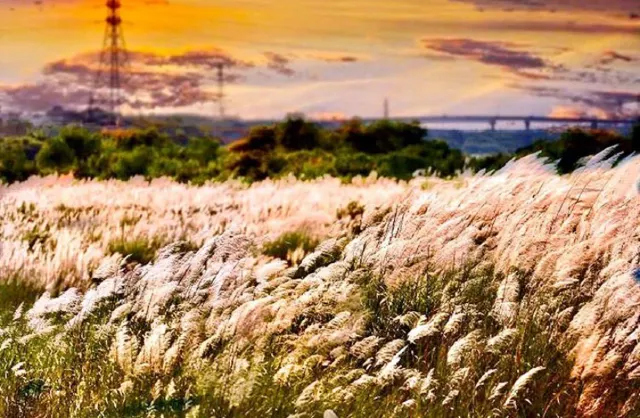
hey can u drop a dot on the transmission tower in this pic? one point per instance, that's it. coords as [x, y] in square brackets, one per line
[107, 90]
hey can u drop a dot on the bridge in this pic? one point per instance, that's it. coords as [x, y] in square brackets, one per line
[490, 120]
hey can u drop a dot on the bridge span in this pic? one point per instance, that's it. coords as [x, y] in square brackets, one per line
[490, 120]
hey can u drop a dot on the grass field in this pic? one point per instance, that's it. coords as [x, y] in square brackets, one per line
[514, 294]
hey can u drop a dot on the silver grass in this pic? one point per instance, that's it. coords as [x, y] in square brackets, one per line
[598, 221]
[347, 378]
[408, 404]
[391, 370]
[125, 387]
[506, 304]
[109, 267]
[429, 383]
[288, 372]
[309, 394]
[451, 396]
[410, 319]
[125, 348]
[157, 389]
[120, 312]
[520, 385]
[498, 391]
[17, 315]
[5, 344]
[430, 329]
[461, 348]
[326, 252]
[364, 381]
[156, 343]
[172, 391]
[485, 378]
[459, 377]
[366, 347]
[339, 320]
[501, 341]
[389, 351]
[454, 324]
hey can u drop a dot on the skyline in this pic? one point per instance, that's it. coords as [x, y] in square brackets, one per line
[556, 58]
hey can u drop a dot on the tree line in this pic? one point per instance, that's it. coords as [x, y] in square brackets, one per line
[294, 146]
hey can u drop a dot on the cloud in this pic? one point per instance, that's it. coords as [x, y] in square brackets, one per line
[555, 26]
[150, 80]
[621, 7]
[505, 55]
[39, 97]
[564, 111]
[605, 103]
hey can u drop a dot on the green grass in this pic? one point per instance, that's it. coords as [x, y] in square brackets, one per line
[14, 292]
[140, 250]
[286, 245]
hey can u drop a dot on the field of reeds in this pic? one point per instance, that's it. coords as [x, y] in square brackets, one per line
[515, 294]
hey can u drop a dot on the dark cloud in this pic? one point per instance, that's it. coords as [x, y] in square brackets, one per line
[279, 63]
[609, 57]
[620, 7]
[501, 54]
[554, 26]
[345, 59]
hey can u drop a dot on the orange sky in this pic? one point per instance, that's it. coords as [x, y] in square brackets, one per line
[346, 56]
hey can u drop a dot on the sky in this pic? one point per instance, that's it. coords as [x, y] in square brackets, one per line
[331, 58]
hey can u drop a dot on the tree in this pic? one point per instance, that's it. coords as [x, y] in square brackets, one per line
[202, 150]
[259, 139]
[383, 136]
[55, 156]
[132, 163]
[297, 134]
[14, 164]
[83, 143]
